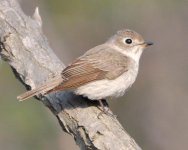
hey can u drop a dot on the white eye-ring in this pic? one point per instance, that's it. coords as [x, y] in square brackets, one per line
[128, 41]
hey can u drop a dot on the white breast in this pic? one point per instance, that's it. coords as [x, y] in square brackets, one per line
[108, 88]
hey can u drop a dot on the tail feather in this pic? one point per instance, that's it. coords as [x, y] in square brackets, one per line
[41, 89]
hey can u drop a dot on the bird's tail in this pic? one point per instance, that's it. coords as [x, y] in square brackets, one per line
[41, 89]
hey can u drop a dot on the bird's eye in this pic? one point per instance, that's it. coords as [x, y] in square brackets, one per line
[128, 41]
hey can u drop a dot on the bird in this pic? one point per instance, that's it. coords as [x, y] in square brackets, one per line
[105, 71]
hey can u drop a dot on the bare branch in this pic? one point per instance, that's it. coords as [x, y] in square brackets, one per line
[37, 17]
[26, 49]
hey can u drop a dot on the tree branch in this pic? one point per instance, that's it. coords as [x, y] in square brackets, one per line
[25, 48]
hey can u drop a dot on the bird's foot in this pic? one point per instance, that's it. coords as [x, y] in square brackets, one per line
[105, 110]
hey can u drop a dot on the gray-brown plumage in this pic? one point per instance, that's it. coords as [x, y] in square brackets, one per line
[100, 70]
[97, 64]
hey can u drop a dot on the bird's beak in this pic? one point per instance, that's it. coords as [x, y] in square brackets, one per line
[146, 44]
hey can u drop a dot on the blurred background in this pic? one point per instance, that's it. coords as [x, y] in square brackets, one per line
[154, 111]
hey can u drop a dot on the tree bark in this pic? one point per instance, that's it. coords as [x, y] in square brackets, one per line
[24, 46]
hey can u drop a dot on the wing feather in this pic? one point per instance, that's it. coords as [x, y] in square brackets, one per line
[96, 64]
[101, 62]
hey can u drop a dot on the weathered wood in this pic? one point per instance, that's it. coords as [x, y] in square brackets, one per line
[24, 46]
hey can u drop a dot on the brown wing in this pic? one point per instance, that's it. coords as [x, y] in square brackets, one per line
[101, 62]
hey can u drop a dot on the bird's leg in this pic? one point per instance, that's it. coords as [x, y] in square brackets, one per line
[103, 107]
[105, 110]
